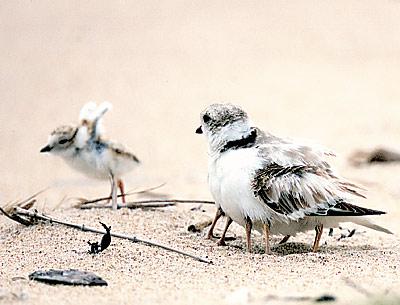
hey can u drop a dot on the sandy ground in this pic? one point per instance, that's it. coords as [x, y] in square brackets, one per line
[325, 71]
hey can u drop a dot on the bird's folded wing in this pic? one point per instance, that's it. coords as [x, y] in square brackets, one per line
[298, 190]
[91, 120]
[120, 150]
[98, 129]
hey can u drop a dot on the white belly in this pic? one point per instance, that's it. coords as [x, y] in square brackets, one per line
[100, 165]
[88, 165]
[230, 178]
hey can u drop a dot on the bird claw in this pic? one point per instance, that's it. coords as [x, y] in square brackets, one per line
[221, 243]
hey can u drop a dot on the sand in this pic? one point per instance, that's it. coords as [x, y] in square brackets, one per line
[324, 71]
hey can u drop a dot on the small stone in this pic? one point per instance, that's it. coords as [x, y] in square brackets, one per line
[68, 277]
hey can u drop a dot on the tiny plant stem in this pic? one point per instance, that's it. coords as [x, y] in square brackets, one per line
[155, 203]
[147, 190]
[34, 215]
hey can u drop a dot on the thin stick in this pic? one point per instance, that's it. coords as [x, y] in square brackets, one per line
[150, 189]
[24, 203]
[129, 205]
[154, 203]
[84, 201]
[38, 216]
[16, 218]
[6, 214]
[147, 203]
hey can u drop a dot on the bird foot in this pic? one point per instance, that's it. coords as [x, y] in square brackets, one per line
[221, 242]
[210, 236]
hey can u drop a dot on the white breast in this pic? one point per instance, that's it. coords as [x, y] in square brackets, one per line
[230, 177]
[89, 165]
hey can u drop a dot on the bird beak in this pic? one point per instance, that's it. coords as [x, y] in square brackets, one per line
[47, 148]
[199, 130]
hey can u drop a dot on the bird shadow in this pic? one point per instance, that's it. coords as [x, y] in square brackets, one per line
[281, 249]
[291, 248]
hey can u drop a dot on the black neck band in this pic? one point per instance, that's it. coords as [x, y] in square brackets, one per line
[246, 142]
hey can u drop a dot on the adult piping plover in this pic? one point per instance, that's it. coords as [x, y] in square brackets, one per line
[84, 149]
[272, 184]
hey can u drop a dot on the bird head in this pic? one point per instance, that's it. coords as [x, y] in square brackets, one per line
[61, 140]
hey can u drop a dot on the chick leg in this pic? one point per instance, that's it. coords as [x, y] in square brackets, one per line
[318, 233]
[218, 215]
[122, 189]
[266, 239]
[113, 192]
[248, 227]
[221, 241]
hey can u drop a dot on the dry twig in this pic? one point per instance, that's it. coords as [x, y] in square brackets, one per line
[151, 203]
[26, 204]
[83, 201]
[31, 217]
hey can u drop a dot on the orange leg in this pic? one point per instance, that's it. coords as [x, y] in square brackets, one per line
[218, 214]
[221, 241]
[248, 227]
[122, 189]
[318, 232]
[266, 239]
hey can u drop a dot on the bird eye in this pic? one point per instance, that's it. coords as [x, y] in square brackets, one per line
[206, 118]
[63, 141]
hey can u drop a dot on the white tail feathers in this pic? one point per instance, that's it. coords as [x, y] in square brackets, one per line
[369, 224]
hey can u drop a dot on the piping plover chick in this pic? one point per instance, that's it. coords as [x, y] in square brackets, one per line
[271, 184]
[83, 148]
